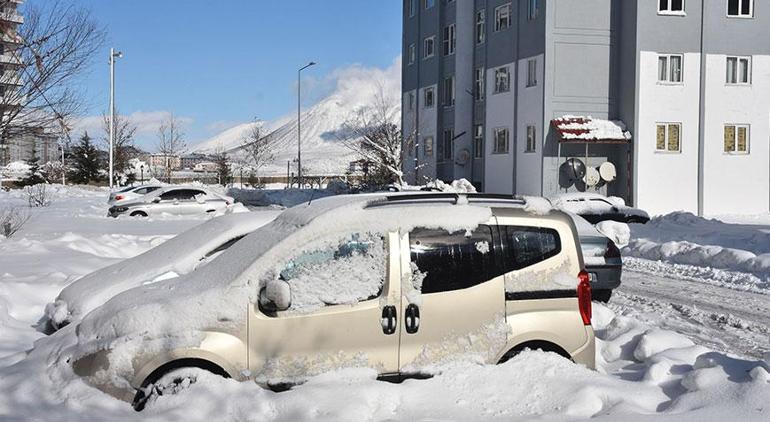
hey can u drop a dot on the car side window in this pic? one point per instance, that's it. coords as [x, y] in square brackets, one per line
[453, 261]
[344, 271]
[526, 246]
[170, 195]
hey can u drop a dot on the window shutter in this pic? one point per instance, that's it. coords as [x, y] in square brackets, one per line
[661, 141]
[729, 138]
[742, 132]
[673, 137]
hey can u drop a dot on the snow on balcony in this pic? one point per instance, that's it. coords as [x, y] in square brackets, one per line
[588, 129]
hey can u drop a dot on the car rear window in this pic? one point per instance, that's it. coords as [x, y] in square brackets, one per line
[526, 246]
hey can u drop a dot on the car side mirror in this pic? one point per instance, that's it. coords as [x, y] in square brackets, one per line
[156, 200]
[275, 296]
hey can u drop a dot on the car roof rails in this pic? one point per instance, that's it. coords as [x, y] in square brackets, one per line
[450, 198]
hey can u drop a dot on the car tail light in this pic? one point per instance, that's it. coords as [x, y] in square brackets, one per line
[119, 197]
[584, 297]
[612, 250]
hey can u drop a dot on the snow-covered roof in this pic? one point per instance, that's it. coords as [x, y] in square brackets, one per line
[588, 129]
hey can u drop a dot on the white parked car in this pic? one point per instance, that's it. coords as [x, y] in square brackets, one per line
[596, 208]
[178, 200]
[130, 193]
[398, 283]
[180, 255]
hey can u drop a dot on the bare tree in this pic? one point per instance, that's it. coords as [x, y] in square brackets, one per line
[170, 142]
[47, 55]
[12, 219]
[123, 142]
[259, 149]
[376, 139]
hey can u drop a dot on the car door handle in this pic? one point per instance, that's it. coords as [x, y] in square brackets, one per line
[412, 318]
[389, 320]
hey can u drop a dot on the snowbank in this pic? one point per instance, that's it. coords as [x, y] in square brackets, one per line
[683, 238]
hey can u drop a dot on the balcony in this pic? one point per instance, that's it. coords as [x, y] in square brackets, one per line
[10, 78]
[9, 58]
[12, 16]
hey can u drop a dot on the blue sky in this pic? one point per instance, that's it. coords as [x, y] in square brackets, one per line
[219, 63]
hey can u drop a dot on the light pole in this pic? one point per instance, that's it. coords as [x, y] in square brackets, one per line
[113, 55]
[141, 170]
[299, 125]
[63, 168]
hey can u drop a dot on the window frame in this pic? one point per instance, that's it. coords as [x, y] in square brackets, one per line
[740, 15]
[667, 139]
[508, 79]
[411, 54]
[432, 40]
[410, 102]
[425, 102]
[507, 140]
[531, 72]
[670, 70]
[736, 127]
[498, 17]
[429, 4]
[427, 146]
[531, 146]
[736, 70]
[478, 141]
[449, 40]
[448, 144]
[479, 83]
[533, 9]
[413, 7]
[449, 95]
[670, 12]
[480, 33]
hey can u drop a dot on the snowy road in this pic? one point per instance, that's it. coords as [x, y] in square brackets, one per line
[716, 316]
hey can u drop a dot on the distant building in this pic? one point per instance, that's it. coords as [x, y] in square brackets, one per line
[189, 161]
[674, 94]
[21, 148]
[163, 160]
[16, 148]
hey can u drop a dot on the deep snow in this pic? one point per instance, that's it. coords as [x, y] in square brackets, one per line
[649, 363]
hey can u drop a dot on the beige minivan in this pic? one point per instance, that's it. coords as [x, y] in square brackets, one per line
[401, 283]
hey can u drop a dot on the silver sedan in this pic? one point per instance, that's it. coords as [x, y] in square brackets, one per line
[178, 200]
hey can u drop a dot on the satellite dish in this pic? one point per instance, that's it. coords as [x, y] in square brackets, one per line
[592, 177]
[463, 157]
[608, 172]
[571, 171]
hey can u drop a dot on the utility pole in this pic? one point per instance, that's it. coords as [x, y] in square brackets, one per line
[113, 55]
[299, 122]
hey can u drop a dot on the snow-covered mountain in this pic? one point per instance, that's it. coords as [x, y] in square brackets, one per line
[323, 152]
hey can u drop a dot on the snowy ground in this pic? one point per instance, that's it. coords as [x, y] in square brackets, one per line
[679, 341]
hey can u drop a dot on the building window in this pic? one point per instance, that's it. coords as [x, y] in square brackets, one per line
[531, 139]
[533, 9]
[450, 40]
[412, 8]
[410, 101]
[736, 139]
[448, 144]
[502, 80]
[502, 138]
[478, 85]
[427, 146]
[669, 136]
[429, 47]
[531, 72]
[478, 141]
[670, 68]
[412, 53]
[502, 17]
[449, 91]
[429, 3]
[671, 7]
[740, 8]
[430, 97]
[739, 70]
[481, 26]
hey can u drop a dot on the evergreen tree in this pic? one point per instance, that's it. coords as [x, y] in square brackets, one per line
[34, 175]
[223, 167]
[85, 161]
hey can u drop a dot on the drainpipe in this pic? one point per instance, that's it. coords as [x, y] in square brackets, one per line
[701, 113]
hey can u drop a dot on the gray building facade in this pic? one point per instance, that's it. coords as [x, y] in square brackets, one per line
[484, 82]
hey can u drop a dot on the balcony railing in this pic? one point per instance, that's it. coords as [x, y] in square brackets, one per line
[10, 78]
[11, 16]
[9, 58]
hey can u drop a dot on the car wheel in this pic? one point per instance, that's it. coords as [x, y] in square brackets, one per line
[602, 295]
[544, 346]
[138, 214]
[173, 378]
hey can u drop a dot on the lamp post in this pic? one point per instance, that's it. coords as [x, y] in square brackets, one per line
[299, 120]
[141, 170]
[63, 168]
[113, 55]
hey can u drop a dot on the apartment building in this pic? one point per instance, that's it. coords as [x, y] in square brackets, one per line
[674, 94]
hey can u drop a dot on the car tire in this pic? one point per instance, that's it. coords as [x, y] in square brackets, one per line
[173, 378]
[138, 214]
[602, 295]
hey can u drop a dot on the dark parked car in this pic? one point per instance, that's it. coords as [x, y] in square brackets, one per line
[596, 208]
[601, 258]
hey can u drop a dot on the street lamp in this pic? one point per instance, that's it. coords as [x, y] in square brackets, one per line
[113, 55]
[141, 170]
[299, 119]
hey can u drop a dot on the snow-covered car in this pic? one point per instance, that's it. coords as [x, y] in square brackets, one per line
[399, 283]
[601, 257]
[178, 200]
[596, 208]
[180, 255]
[129, 193]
